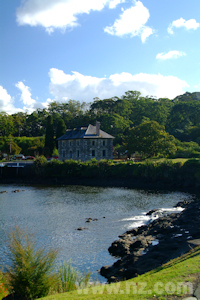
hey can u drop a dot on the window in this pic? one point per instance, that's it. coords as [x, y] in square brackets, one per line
[93, 153]
[63, 143]
[77, 153]
[77, 143]
[93, 143]
[70, 143]
[70, 154]
[63, 154]
[104, 153]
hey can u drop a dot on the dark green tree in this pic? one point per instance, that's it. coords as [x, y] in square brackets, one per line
[49, 137]
[61, 128]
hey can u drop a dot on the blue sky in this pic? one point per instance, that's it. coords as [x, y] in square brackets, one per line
[75, 49]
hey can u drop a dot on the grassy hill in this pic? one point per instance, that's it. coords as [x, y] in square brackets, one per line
[176, 278]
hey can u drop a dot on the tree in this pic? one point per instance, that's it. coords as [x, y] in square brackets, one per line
[49, 136]
[61, 128]
[115, 125]
[6, 124]
[11, 146]
[30, 271]
[150, 139]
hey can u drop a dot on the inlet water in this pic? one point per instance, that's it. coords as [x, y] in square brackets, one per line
[53, 215]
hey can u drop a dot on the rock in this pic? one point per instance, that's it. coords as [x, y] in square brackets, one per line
[15, 191]
[95, 219]
[88, 220]
[3, 192]
[151, 212]
[197, 292]
[121, 247]
[81, 228]
[139, 254]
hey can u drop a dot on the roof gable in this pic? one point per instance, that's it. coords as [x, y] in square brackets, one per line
[85, 132]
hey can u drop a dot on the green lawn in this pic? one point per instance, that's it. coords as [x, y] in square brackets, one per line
[174, 160]
[174, 278]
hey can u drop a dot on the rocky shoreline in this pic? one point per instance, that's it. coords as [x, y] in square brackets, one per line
[147, 247]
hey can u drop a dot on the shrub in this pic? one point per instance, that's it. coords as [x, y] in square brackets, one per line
[3, 289]
[70, 278]
[29, 274]
[39, 164]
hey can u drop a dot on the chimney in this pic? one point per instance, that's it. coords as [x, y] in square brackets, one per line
[97, 128]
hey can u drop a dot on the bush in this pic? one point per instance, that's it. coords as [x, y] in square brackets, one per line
[29, 274]
[70, 279]
[3, 289]
[39, 165]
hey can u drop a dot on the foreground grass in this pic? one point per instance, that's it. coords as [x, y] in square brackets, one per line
[177, 277]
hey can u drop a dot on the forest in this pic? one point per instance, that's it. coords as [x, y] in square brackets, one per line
[152, 127]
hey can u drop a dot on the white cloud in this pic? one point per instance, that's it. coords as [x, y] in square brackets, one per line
[146, 33]
[132, 22]
[190, 24]
[84, 88]
[170, 55]
[60, 14]
[26, 97]
[6, 102]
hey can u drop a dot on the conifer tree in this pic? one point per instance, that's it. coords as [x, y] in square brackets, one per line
[61, 128]
[49, 136]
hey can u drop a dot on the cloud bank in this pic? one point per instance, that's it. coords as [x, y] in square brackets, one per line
[190, 24]
[170, 55]
[59, 14]
[132, 22]
[84, 88]
[76, 86]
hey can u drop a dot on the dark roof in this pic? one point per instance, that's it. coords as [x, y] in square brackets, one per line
[85, 132]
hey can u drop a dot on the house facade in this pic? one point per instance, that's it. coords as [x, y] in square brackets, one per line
[84, 143]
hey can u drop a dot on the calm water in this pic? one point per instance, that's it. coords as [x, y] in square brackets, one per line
[54, 213]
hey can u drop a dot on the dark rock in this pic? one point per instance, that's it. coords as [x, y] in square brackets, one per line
[151, 212]
[121, 247]
[139, 254]
[81, 228]
[16, 191]
[95, 219]
[88, 220]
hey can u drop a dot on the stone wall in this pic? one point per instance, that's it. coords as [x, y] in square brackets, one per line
[85, 149]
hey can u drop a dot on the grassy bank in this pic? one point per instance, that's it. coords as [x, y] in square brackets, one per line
[177, 277]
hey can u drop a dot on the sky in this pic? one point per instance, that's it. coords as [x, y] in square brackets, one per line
[57, 50]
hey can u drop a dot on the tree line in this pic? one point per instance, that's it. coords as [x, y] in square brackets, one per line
[176, 123]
